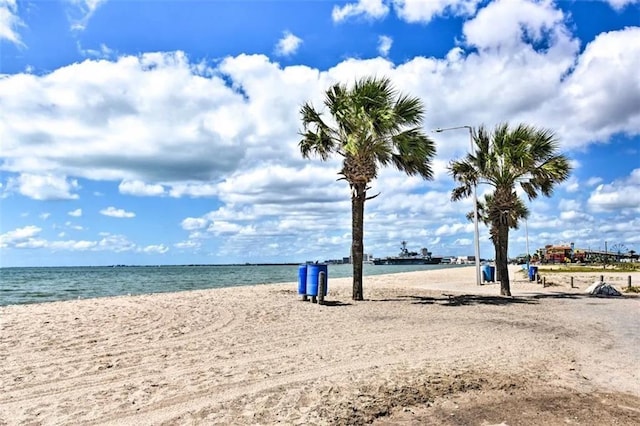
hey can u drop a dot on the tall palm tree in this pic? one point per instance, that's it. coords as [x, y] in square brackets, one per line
[526, 156]
[372, 126]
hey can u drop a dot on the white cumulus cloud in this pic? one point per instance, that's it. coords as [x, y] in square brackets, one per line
[19, 235]
[75, 213]
[372, 9]
[425, 10]
[288, 44]
[114, 212]
[44, 187]
[621, 4]
[139, 188]
[193, 223]
[10, 22]
[81, 119]
[72, 245]
[188, 244]
[81, 12]
[384, 45]
[601, 94]
[621, 195]
[506, 23]
[155, 249]
[116, 243]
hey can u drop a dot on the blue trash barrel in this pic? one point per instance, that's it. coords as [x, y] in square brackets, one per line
[313, 273]
[486, 273]
[533, 271]
[492, 273]
[302, 279]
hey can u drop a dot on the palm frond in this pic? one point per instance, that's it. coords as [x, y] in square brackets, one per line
[374, 126]
[408, 111]
[460, 192]
[506, 157]
[317, 138]
[414, 153]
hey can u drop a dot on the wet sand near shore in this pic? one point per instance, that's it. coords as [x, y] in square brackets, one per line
[423, 348]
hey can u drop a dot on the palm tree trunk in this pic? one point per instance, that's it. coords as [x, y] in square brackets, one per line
[502, 250]
[357, 236]
[498, 256]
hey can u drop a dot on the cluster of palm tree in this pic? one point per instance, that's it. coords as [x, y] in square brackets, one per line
[523, 156]
[371, 125]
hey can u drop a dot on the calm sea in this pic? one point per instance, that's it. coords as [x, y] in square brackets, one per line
[36, 285]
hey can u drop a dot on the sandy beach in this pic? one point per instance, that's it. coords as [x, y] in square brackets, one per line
[423, 348]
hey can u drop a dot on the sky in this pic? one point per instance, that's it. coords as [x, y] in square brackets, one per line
[166, 132]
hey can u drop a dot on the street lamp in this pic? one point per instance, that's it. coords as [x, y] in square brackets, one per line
[526, 178]
[526, 236]
[475, 204]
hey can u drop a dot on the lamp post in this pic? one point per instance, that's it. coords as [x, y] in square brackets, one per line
[526, 178]
[475, 204]
[526, 236]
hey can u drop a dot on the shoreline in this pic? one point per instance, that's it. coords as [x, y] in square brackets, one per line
[26, 286]
[258, 355]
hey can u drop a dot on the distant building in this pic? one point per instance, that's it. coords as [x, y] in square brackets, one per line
[562, 253]
[463, 260]
[366, 258]
[568, 253]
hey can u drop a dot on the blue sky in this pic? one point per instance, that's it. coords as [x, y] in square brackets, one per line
[165, 132]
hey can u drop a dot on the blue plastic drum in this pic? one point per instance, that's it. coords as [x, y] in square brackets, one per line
[486, 273]
[302, 279]
[533, 271]
[313, 274]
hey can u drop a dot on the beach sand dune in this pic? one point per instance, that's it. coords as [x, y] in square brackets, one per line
[424, 348]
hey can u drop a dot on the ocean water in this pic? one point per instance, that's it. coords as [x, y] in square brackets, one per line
[37, 285]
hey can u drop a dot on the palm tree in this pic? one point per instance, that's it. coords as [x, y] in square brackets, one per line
[526, 156]
[372, 126]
